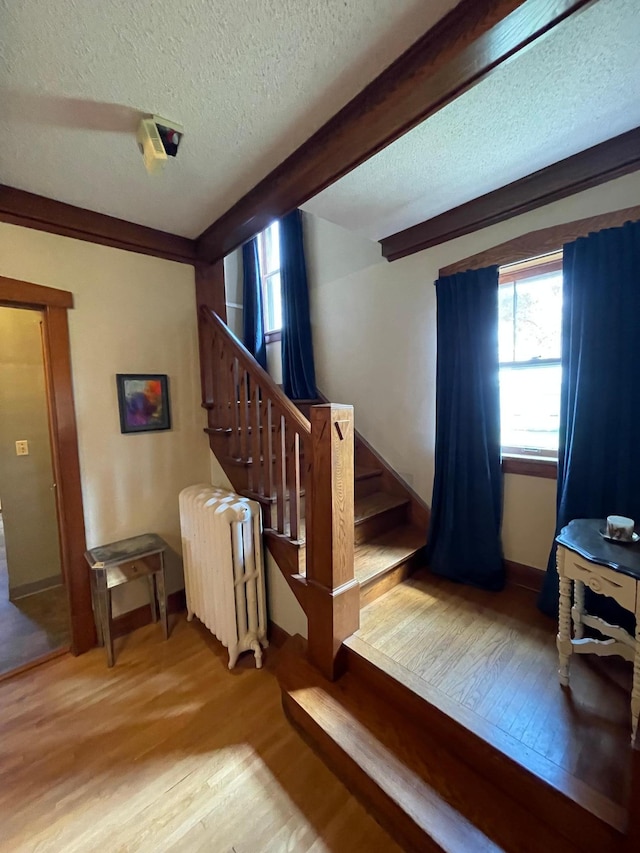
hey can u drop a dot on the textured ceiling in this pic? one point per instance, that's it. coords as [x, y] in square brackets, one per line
[574, 89]
[249, 80]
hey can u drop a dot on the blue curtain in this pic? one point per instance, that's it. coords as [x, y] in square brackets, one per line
[466, 509]
[298, 373]
[252, 309]
[599, 459]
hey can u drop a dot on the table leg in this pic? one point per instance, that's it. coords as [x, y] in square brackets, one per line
[104, 596]
[635, 691]
[563, 640]
[577, 611]
[162, 598]
[152, 597]
[97, 609]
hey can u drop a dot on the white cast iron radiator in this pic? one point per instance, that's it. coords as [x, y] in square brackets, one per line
[223, 567]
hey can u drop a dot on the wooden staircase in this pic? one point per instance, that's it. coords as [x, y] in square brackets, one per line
[261, 439]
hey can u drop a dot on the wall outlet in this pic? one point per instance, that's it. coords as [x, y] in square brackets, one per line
[22, 448]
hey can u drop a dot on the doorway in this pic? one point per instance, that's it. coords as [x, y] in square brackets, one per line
[52, 305]
[34, 616]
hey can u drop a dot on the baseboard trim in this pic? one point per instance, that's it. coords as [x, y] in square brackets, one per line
[25, 589]
[527, 577]
[277, 635]
[25, 667]
[130, 621]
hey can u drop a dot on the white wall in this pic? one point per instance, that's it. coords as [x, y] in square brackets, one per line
[133, 314]
[374, 332]
[233, 291]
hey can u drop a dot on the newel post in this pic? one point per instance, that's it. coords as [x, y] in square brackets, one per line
[210, 292]
[333, 593]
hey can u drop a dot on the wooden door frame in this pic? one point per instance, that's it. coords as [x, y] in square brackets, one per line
[54, 304]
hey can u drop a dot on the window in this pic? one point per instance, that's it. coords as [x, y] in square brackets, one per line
[269, 259]
[529, 327]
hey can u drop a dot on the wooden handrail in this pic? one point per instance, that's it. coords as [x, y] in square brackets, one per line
[249, 363]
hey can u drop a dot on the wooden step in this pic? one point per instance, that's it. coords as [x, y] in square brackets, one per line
[577, 814]
[377, 513]
[426, 797]
[387, 560]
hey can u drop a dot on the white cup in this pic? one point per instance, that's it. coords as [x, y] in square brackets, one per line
[620, 527]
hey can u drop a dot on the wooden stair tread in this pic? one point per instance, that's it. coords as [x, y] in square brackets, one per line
[374, 504]
[380, 555]
[347, 728]
[364, 473]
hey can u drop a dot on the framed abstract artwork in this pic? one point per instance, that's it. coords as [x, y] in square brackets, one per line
[143, 399]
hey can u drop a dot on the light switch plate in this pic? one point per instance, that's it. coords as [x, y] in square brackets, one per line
[22, 448]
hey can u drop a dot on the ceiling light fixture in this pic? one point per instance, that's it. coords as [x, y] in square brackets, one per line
[158, 138]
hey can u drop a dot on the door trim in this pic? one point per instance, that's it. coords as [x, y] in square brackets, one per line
[54, 304]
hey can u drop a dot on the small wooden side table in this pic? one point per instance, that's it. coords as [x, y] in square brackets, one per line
[607, 568]
[121, 562]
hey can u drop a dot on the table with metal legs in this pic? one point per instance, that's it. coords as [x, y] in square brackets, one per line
[118, 563]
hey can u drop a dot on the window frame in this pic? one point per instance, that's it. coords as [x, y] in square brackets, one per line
[532, 461]
[274, 334]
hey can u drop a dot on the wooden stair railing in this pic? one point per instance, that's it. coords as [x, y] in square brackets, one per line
[301, 472]
[267, 434]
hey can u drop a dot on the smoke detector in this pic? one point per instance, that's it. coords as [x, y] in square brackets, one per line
[158, 138]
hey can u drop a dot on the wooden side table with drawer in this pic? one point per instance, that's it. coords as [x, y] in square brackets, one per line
[121, 562]
[585, 559]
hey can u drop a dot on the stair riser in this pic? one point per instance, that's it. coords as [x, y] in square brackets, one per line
[378, 586]
[579, 826]
[387, 812]
[382, 522]
[366, 487]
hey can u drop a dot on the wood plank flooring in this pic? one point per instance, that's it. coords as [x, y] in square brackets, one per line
[167, 751]
[495, 655]
[33, 626]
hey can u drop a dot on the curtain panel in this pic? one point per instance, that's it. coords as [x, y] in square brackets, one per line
[298, 371]
[252, 307]
[466, 509]
[599, 456]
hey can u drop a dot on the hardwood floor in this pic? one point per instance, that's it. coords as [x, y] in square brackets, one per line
[167, 751]
[495, 655]
[30, 627]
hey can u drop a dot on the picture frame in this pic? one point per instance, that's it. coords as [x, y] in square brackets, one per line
[143, 401]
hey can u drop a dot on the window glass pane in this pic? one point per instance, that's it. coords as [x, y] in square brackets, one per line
[538, 311]
[530, 406]
[272, 303]
[505, 322]
[272, 248]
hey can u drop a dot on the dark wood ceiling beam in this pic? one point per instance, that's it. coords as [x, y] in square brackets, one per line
[473, 39]
[44, 214]
[612, 159]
